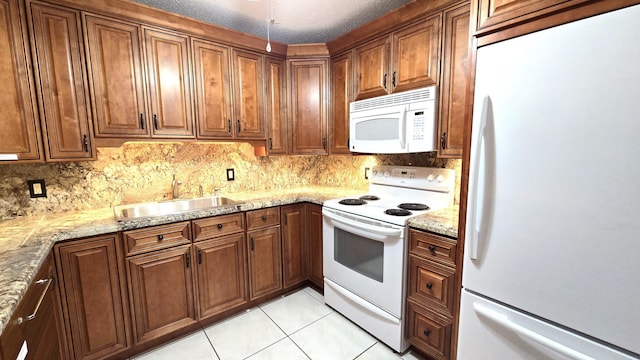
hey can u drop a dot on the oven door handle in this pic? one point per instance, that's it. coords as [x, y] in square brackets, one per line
[363, 229]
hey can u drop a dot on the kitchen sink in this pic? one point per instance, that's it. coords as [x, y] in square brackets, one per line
[143, 210]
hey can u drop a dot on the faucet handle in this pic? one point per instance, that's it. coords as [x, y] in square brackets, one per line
[216, 191]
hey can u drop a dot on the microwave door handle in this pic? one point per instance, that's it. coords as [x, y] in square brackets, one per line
[403, 127]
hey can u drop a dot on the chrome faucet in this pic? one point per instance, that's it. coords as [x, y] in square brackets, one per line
[175, 187]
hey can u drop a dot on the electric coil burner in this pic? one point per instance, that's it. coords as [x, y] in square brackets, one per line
[397, 212]
[413, 206]
[369, 197]
[352, 202]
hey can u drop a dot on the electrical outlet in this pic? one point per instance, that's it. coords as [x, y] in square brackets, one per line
[366, 173]
[231, 175]
[37, 188]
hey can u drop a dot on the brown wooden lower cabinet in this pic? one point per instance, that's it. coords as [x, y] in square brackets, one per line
[93, 296]
[265, 262]
[429, 331]
[35, 323]
[294, 252]
[221, 274]
[314, 240]
[161, 292]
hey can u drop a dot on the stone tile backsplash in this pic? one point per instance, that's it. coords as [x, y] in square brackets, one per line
[138, 172]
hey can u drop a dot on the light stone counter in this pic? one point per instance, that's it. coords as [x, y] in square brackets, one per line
[26, 241]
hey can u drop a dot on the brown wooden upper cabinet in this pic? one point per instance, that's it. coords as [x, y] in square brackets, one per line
[19, 116]
[405, 59]
[454, 96]
[277, 142]
[249, 94]
[168, 74]
[308, 86]
[212, 89]
[116, 77]
[496, 13]
[60, 77]
[341, 92]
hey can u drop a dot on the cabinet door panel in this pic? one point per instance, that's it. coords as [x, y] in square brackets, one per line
[371, 63]
[221, 274]
[161, 292]
[265, 274]
[249, 94]
[453, 90]
[493, 12]
[212, 89]
[92, 292]
[276, 107]
[314, 237]
[169, 84]
[309, 106]
[59, 58]
[18, 118]
[341, 81]
[116, 78]
[294, 252]
[416, 55]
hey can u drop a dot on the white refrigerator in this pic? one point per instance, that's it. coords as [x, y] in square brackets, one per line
[552, 250]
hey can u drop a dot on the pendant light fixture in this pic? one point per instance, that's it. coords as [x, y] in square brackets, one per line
[270, 22]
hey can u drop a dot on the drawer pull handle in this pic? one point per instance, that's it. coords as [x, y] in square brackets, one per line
[264, 218]
[33, 315]
[220, 226]
[432, 248]
[427, 332]
[429, 286]
[160, 237]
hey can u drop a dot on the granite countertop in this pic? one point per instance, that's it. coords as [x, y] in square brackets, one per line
[26, 241]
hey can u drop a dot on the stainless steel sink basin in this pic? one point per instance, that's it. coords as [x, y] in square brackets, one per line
[143, 210]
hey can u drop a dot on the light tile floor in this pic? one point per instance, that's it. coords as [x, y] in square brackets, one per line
[296, 326]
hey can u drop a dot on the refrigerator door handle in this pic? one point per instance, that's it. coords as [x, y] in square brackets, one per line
[527, 334]
[477, 208]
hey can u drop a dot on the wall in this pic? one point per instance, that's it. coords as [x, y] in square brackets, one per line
[137, 172]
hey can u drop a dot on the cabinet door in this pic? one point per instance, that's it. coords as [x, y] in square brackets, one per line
[309, 100]
[494, 12]
[249, 95]
[341, 81]
[115, 77]
[93, 296]
[212, 90]
[221, 274]
[276, 107]
[416, 55]
[371, 63]
[265, 272]
[18, 118]
[314, 239]
[61, 77]
[453, 87]
[161, 290]
[169, 88]
[294, 252]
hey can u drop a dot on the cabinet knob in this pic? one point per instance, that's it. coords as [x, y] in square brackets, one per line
[219, 226]
[427, 332]
[429, 286]
[432, 248]
[160, 237]
[264, 218]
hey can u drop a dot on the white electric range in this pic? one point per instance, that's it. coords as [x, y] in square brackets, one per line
[365, 245]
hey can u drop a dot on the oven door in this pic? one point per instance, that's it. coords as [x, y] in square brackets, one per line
[365, 257]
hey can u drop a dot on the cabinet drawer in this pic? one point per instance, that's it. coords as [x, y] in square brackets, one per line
[428, 331]
[157, 237]
[263, 218]
[217, 226]
[433, 247]
[431, 283]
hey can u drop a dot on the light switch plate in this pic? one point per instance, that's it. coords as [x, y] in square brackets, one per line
[37, 188]
[231, 175]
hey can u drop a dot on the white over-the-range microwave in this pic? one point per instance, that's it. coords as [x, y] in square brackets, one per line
[393, 124]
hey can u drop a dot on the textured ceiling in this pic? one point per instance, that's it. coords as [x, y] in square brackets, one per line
[296, 21]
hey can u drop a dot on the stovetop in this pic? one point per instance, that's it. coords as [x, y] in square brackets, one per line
[424, 189]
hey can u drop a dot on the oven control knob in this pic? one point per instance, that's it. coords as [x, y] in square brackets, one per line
[431, 177]
[440, 178]
[375, 173]
[387, 174]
